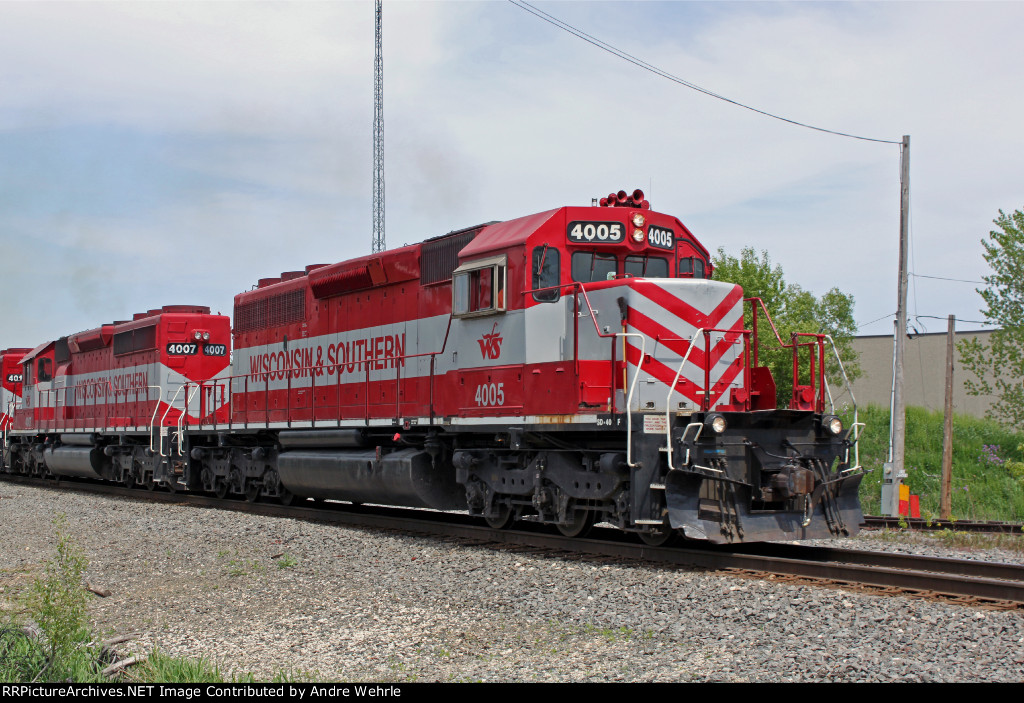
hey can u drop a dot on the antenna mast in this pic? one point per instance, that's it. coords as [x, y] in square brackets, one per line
[378, 143]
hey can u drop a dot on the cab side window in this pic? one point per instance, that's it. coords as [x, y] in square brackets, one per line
[545, 274]
[691, 267]
[477, 291]
[44, 370]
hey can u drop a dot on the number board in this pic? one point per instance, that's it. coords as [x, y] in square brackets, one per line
[14, 378]
[182, 348]
[215, 349]
[661, 238]
[596, 232]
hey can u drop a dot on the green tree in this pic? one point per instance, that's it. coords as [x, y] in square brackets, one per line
[999, 365]
[792, 309]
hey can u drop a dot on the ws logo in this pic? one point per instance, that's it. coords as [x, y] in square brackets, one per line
[490, 344]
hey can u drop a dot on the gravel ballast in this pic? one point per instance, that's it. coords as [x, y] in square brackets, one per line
[266, 595]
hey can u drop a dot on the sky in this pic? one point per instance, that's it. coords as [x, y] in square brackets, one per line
[175, 153]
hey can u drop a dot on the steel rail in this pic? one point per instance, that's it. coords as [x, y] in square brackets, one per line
[876, 521]
[927, 575]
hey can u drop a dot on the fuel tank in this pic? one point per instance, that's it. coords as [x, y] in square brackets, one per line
[405, 477]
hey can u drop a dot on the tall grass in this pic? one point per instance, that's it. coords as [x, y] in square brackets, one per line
[986, 485]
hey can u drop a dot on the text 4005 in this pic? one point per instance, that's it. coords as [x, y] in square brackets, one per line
[490, 394]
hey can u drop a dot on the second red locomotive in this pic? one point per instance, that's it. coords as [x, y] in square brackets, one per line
[104, 403]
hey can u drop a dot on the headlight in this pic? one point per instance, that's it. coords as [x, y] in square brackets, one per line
[832, 424]
[638, 235]
[638, 220]
[198, 334]
[206, 336]
[715, 423]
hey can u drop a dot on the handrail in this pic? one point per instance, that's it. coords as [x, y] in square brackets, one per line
[668, 398]
[636, 376]
[5, 426]
[163, 418]
[314, 370]
[817, 379]
[57, 424]
[181, 419]
[856, 424]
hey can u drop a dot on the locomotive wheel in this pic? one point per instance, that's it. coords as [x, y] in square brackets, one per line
[503, 519]
[171, 488]
[662, 537]
[252, 491]
[220, 488]
[129, 481]
[579, 526]
[149, 483]
[285, 496]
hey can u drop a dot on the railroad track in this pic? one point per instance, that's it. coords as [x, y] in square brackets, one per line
[967, 581]
[892, 523]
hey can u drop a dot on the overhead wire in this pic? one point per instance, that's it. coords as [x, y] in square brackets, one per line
[927, 317]
[879, 319]
[943, 278]
[959, 319]
[640, 63]
[605, 46]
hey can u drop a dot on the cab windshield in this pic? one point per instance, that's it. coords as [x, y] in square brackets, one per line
[589, 266]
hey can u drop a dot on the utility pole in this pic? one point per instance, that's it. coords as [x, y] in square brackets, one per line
[946, 498]
[378, 141]
[894, 471]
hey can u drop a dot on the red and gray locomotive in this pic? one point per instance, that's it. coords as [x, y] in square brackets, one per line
[570, 367]
[105, 403]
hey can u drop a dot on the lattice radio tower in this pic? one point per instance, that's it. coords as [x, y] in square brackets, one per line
[378, 142]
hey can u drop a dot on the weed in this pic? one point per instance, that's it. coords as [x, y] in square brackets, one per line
[610, 634]
[51, 641]
[286, 561]
[162, 668]
[243, 567]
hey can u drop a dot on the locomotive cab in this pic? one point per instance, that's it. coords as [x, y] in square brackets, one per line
[11, 383]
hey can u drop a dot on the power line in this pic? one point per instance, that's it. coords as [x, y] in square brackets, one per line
[927, 317]
[865, 324]
[941, 278]
[604, 46]
[958, 319]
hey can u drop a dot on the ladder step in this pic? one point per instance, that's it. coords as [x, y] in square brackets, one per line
[657, 486]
